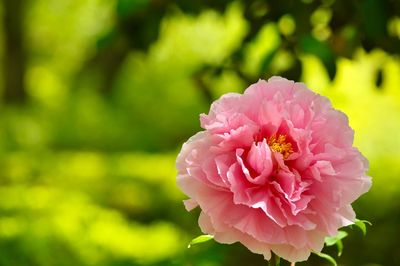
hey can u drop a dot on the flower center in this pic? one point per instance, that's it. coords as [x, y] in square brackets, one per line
[279, 144]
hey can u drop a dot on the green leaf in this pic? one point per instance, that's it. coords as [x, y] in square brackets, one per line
[275, 260]
[361, 224]
[331, 240]
[326, 257]
[339, 245]
[336, 240]
[200, 239]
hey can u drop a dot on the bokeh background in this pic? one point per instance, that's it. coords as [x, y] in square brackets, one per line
[97, 97]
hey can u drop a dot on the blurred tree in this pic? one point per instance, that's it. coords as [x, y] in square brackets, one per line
[89, 181]
[326, 29]
[137, 25]
[14, 52]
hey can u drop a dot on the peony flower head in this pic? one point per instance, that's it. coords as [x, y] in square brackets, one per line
[275, 169]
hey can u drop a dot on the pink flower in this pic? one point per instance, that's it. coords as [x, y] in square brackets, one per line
[274, 169]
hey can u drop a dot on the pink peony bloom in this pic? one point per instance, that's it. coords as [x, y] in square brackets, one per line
[274, 169]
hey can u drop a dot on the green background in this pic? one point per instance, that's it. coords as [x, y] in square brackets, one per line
[99, 95]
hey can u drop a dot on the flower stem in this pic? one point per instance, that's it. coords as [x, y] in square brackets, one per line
[275, 260]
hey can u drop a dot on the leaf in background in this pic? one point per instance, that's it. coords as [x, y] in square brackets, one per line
[200, 239]
[127, 7]
[361, 224]
[260, 52]
[266, 61]
[374, 28]
[326, 257]
[310, 45]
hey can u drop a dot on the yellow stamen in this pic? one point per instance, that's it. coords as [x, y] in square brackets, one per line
[280, 145]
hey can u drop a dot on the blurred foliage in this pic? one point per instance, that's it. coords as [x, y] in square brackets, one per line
[113, 88]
